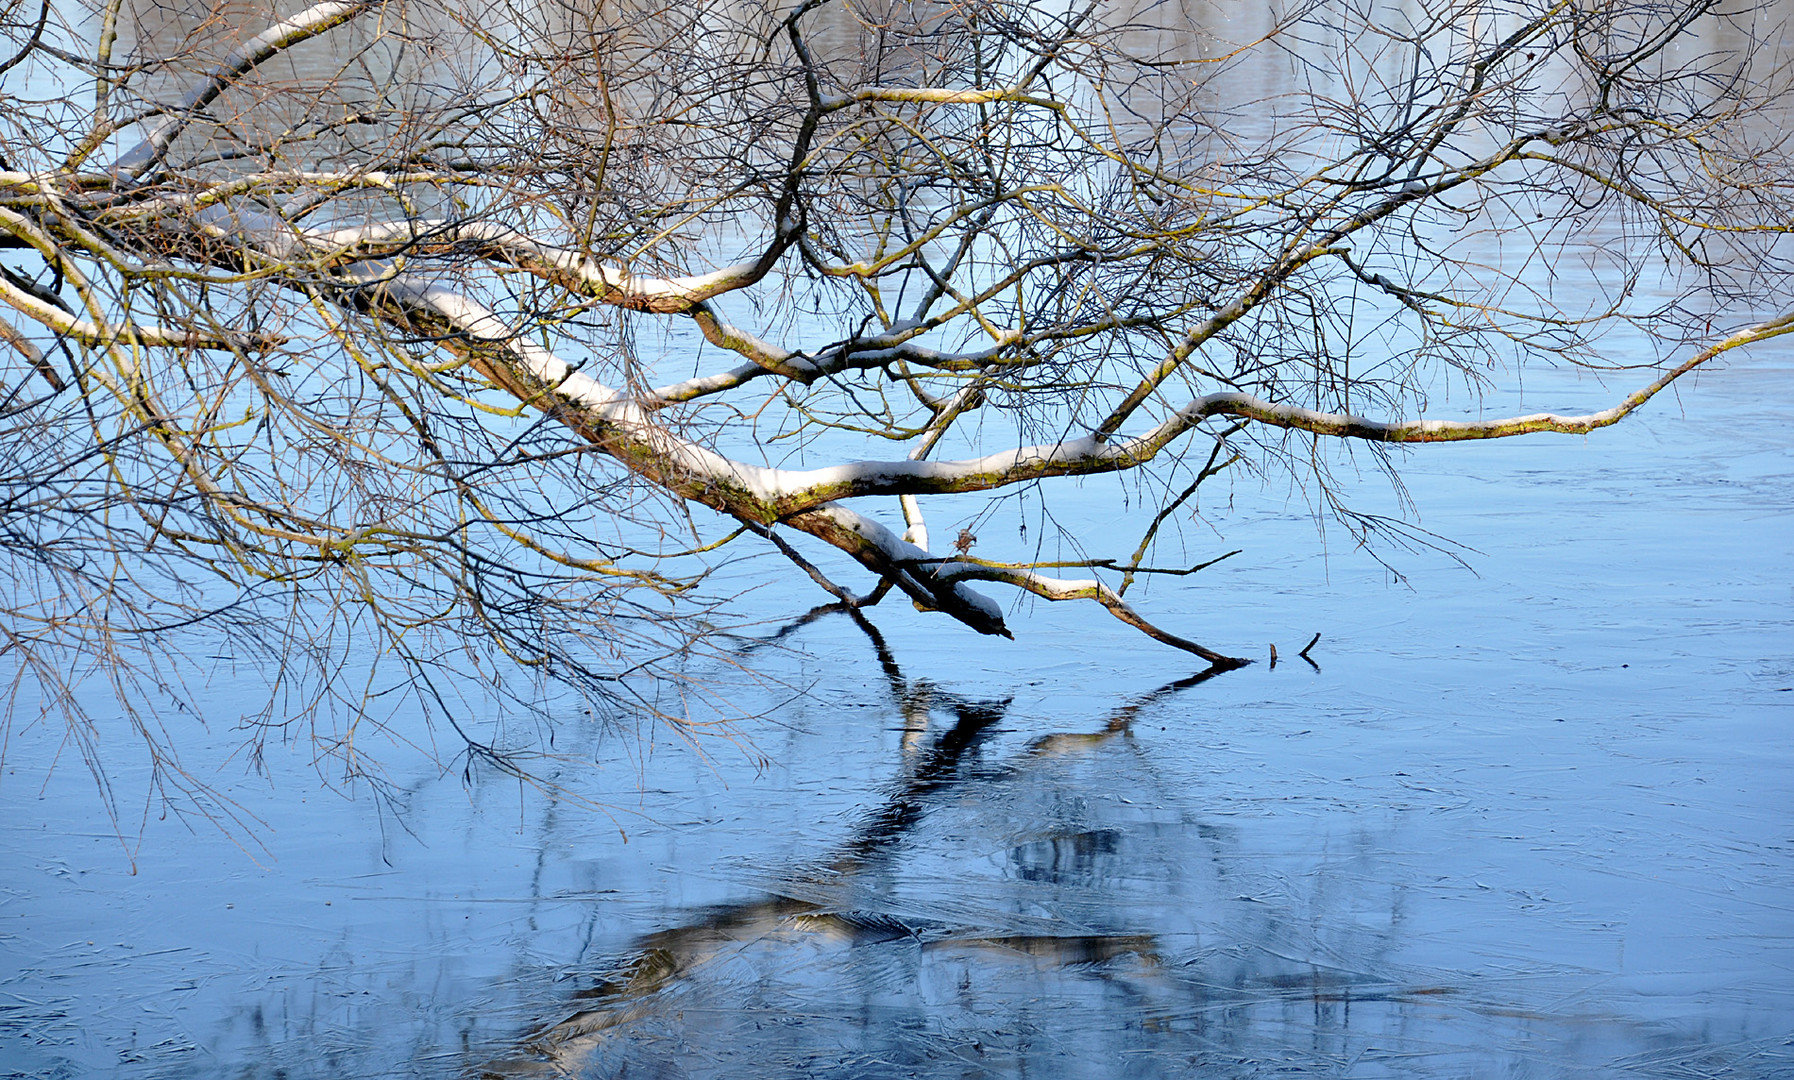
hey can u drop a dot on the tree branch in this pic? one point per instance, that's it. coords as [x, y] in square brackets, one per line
[281, 36]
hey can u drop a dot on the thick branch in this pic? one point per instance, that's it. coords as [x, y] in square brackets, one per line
[567, 267]
[794, 489]
[1426, 431]
[932, 586]
[775, 494]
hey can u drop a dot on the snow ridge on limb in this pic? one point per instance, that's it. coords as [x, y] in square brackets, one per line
[616, 423]
[281, 36]
[565, 266]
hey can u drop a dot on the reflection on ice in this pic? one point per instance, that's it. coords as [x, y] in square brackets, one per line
[1067, 910]
[1530, 824]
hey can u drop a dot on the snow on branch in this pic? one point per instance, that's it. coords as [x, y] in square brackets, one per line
[617, 424]
[282, 35]
[611, 284]
[797, 489]
[1425, 431]
[1053, 588]
[88, 332]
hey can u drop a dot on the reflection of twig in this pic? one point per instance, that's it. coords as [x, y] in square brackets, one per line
[1312, 642]
[893, 673]
[750, 645]
[1122, 719]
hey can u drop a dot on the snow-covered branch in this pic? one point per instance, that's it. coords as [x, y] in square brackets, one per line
[282, 35]
[796, 489]
[618, 424]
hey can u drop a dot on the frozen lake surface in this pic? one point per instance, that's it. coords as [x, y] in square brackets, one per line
[1532, 822]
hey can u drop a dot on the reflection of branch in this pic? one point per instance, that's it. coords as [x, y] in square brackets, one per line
[661, 959]
[1121, 720]
[886, 659]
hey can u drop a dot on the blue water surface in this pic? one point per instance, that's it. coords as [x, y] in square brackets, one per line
[1530, 819]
